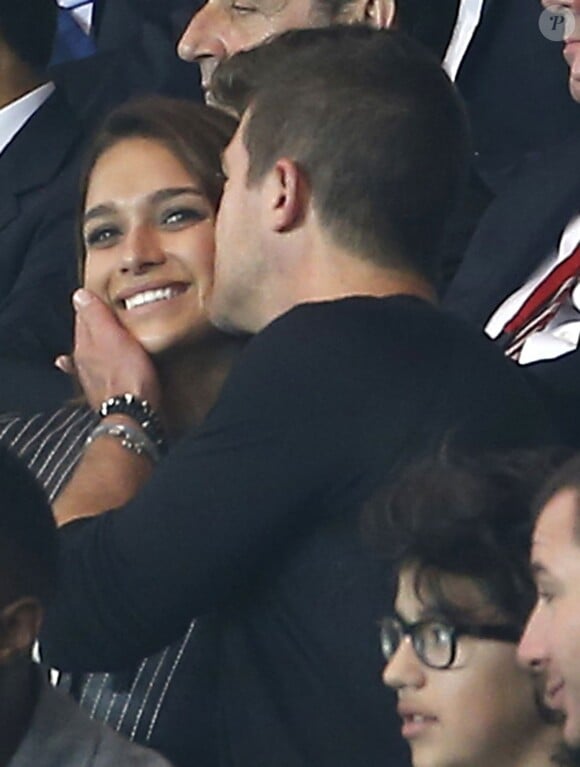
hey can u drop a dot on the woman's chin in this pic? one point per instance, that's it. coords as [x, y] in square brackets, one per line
[164, 346]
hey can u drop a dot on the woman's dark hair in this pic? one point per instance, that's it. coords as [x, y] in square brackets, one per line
[466, 517]
[194, 133]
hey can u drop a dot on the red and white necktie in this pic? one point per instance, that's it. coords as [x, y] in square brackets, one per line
[542, 304]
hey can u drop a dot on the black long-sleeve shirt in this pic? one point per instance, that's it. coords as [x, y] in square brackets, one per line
[252, 525]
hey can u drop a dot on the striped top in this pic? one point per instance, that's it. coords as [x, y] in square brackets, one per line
[132, 702]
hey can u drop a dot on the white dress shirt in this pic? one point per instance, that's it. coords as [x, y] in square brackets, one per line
[468, 19]
[14, 116]
[82, 11]
[562, 334]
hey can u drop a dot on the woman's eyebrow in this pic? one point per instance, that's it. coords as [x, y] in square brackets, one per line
[106, 208]
[99, 210]
[166, 194]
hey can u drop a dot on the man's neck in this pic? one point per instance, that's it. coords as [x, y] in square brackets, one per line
[18, 697]
[334, 273]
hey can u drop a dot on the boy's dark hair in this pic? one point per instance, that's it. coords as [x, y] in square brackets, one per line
[466, 517]
[28, 28]
[375, 125]
[28, 538]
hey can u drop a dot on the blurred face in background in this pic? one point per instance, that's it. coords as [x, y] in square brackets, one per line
[224, 27]
[551, 638]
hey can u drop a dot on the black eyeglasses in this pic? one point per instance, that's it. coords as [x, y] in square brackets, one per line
[434, 641]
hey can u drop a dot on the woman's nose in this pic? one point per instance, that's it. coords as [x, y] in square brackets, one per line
[143, 249]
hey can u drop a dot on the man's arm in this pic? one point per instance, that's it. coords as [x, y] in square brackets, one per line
[107, 476]
[108, 361]
[215, 515]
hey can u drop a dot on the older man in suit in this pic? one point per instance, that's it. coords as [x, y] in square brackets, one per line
[513, 80]
[518, 279]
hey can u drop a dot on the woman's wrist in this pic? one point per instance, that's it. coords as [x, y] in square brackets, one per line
[141, 413]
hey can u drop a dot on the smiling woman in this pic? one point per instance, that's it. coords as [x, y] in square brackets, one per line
[149, 242]
[150, 191]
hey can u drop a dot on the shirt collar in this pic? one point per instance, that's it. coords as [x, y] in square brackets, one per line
[15, 115]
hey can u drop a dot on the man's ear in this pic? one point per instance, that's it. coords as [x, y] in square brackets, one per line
[20, 624]
[286, 195]
[378, 14]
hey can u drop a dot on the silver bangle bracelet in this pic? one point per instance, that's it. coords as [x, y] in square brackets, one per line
[132, 438]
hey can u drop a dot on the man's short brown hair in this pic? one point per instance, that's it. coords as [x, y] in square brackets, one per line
[373, 122]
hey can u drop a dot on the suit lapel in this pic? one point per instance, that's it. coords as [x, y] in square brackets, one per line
[520, 229]
[37, 153]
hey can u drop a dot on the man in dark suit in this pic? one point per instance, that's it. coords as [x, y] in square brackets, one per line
[40, 138]
[503, 285]
[513, 80]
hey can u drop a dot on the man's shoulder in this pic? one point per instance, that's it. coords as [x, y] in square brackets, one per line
[364, 324]
[358, 341]
[367, 316]
[62, 735]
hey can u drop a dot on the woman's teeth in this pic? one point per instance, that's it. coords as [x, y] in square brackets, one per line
[150, 296]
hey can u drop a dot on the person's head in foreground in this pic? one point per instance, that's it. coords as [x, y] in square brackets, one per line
[333, 185]
[221, 28]
[458, 535]
[150, 194]
[551, 640]
[28, 572]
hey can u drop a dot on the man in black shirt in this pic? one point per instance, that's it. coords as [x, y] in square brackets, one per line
[334, 201]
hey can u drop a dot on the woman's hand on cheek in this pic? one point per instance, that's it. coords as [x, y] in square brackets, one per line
[107, 360]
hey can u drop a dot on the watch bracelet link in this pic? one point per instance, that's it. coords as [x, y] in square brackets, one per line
[133, 438]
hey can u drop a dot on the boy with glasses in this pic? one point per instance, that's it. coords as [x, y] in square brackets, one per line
[459, 536]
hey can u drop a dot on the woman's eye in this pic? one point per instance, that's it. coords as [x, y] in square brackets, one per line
[243, 9]
[102, 236]
[182, 216]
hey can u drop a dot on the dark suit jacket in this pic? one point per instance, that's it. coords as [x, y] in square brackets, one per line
[515, 83]
[38, 179]
[518, 231]
[136, 55]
